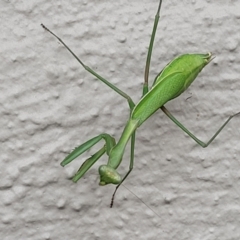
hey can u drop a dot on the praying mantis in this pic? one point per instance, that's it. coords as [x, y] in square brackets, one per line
[172, 81]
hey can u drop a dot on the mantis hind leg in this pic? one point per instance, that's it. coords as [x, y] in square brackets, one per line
[149, 55]
[201, 143]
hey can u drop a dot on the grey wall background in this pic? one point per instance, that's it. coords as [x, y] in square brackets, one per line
[49, 105]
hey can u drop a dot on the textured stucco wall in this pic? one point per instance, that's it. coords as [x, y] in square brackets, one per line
[49, 105]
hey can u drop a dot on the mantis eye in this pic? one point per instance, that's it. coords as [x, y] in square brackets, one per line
[108, 175]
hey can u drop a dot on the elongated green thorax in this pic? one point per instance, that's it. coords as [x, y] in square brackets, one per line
[173, 80]
[108, 174]
[116, 153]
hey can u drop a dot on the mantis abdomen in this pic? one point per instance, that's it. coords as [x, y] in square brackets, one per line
[174, 79]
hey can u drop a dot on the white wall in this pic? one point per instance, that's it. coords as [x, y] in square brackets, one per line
[49, 105]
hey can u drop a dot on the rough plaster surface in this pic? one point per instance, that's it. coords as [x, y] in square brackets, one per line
[49, 105]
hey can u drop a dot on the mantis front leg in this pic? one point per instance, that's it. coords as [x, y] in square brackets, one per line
[109, 144]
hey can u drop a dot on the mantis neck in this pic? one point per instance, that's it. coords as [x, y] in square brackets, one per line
[116, 154]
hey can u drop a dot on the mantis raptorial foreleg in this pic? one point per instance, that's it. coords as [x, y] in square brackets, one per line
[172, 81]
[88, 163]
[109, 144]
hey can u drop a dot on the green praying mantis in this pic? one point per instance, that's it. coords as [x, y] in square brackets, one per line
[173, 80]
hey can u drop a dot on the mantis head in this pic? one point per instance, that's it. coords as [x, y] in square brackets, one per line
[108, 175]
